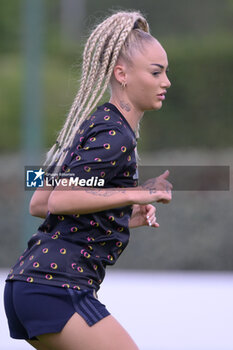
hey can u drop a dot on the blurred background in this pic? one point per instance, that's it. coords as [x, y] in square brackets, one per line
[41, 43]
[41, 47]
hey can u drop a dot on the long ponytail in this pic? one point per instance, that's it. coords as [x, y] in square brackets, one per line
[100, 55]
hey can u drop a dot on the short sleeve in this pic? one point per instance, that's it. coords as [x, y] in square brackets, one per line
[102, 153]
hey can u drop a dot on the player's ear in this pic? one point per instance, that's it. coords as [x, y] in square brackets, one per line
[120, 73]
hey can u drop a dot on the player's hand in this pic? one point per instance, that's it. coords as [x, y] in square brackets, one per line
[143, 215]
[157, 189]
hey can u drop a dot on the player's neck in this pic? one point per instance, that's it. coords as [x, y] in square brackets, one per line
[131, 114]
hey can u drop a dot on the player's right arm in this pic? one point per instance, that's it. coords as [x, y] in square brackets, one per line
[69, 201]
[39, 202]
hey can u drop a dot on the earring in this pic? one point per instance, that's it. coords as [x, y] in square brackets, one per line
[123, 84]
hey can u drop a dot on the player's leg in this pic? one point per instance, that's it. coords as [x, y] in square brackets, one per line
[106, 334]
[37, 345]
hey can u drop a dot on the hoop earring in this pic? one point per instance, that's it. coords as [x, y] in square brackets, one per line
[123, 84]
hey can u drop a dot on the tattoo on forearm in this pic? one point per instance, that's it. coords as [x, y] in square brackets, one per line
[125, 106]
[150, 186]
[104, 193]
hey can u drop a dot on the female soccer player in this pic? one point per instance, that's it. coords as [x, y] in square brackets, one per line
[50, 294]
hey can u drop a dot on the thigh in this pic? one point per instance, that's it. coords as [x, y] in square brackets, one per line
[106, 334]
[37, 345]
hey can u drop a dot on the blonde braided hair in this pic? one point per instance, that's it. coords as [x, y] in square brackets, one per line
[109, 40]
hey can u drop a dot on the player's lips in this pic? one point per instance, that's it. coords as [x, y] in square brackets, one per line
[161, 96]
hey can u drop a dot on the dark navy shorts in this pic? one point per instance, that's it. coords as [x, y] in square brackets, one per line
[36, 309]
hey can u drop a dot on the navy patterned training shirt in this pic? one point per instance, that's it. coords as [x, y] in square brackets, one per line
[73, 251]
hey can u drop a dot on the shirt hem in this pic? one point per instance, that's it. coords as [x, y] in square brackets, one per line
[60, 284]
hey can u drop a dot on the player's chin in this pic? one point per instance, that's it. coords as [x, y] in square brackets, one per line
[153, 106]
[157, 105]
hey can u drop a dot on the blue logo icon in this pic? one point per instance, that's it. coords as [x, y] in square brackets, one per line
[35, 178]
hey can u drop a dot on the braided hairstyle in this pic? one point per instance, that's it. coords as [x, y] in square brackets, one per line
[117, 36]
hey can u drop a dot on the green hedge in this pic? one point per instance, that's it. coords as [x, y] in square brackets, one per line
[11, 102]
[197, 111]
[199, 104]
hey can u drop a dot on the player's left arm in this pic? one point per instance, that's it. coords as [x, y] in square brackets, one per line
[143, 215]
